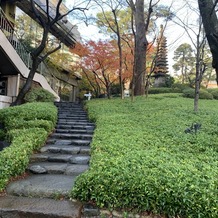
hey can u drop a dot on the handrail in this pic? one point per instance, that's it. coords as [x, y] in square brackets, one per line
[8, 29]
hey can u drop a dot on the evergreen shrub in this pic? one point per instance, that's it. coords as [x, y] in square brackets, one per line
[215, 94]
[39, 95]
[26, 128]
[203, 94]
[180, 86]
[160, 90]
[211, 90]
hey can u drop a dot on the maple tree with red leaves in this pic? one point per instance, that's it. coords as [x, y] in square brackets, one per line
[100, 64]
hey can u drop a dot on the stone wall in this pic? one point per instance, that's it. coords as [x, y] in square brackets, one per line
[5, 101]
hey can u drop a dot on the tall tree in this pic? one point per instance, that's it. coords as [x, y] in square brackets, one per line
[210, 23]
[112, 23]
[39, 54]
[141, 43]
[184, 58]
[196, 34]
[126, 37]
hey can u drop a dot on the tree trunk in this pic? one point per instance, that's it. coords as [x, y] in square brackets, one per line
[27, 85]
[119, 44]
[140, 49]
[120, 68]
[210, 23]
[197, 76]
[108, 88]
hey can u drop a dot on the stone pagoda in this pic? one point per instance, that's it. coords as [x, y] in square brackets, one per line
[161, 63]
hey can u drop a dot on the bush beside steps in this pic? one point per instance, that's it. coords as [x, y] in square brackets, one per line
[26, 127]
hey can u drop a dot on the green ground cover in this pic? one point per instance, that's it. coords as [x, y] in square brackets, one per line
[26, 127]
[142, 158]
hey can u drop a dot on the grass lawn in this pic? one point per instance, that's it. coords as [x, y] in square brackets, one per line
[142, 159]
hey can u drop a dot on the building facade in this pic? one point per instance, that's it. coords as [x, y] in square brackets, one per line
[15, 60]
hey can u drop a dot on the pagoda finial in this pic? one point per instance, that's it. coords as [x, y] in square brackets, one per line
[161, 27]
[161, 30]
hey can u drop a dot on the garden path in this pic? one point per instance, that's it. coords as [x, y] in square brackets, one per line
[53, 170]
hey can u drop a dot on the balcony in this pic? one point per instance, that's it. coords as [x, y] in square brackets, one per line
[63, 30]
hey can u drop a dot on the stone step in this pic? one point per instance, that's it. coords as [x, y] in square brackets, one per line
[57, 168]
[76, 108]
[61, 158]
[66, 149]
[66, 116]
[67, 109]
[67, 120]
[75, 131]
[75, 126]
[71, 113]
[52, 172]
[68, 104]
[75, 123]
[73, 142]
[20, 207]
[43, 186]
[70, 136]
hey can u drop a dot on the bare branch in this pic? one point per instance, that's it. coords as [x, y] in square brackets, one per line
[38, 17]
[50, 52]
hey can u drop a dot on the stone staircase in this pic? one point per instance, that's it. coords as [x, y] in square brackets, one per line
[53, 170]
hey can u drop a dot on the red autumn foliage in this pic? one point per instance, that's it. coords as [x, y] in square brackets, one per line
[100, 62]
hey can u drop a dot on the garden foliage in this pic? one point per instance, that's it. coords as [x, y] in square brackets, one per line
[143, 159]
[203, 94]
[161, 90]
[39, 95]
[26, 128]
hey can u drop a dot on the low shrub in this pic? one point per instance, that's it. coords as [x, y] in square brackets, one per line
[211, 90]
[15, 158]
[163, 90]
[159, 90]
[142, 159]
[180, 86]
[189, 93]
[28, 112]
[215, 94]
[26, 124]
[26, 127]
[203, 94]
[39, 95]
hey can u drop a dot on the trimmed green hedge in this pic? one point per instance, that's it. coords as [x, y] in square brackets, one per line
[142, 158]
[27, 128]
[179, 86]
[159, 90]
[203, 94]
[215, 94]
[211, 90]
[162, 90]
[26, 113]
